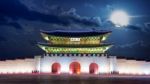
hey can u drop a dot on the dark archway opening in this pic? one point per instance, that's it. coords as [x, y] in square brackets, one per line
[75, 68]
[56, 68]
[93, 68]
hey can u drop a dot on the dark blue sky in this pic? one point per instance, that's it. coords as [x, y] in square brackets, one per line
[22, 20]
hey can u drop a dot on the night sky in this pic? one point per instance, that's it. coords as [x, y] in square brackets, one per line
[22, 20]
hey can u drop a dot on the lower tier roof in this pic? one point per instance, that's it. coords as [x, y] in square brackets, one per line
[64, 49]
[75, 45]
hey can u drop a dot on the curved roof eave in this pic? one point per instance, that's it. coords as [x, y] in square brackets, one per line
[75, 33]
[75, 46]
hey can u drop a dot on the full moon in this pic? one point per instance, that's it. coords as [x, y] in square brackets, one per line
[119, 18]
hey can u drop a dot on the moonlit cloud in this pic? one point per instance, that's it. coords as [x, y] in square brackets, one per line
[130, 45]
[69, 16]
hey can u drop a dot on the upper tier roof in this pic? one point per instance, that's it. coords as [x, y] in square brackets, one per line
[75, 33]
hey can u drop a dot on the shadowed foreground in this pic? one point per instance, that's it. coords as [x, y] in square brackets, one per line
[72, 79]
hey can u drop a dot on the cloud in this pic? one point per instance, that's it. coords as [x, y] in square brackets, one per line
[56, 15]
[147, 26]
[5, 21]
[140, 28]
[59, 14]
[43, 6]
[138, 43]
[133, 27]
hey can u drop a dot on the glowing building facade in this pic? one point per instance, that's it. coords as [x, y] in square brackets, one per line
[75, 53]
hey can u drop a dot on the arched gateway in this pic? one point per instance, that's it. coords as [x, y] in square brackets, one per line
[56, 68]
[75, 68]
[93, 68]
